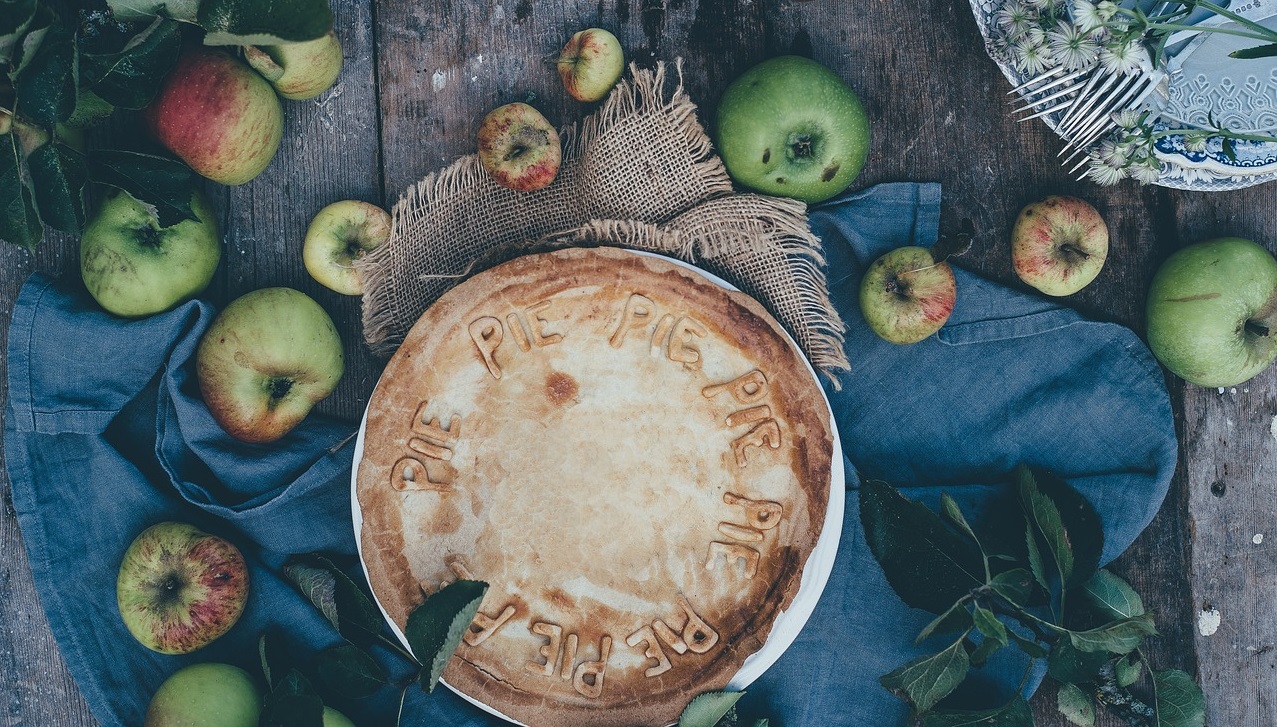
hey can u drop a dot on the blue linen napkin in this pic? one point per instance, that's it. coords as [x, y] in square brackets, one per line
[105, 434]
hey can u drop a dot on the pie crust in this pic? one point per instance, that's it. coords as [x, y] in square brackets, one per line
[635, 459]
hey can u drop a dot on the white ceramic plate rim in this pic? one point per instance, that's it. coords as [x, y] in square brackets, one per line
[816, 571]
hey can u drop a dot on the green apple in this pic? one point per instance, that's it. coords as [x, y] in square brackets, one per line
[333, 718]
[790, 127]
[133, 267]
[906, 295]
[1212, 311]
[180, 588]
[217, 115]
[206, 695]
[340, 234]
[266, 360]
[590, 64]
[298, 71]
[1059, 244]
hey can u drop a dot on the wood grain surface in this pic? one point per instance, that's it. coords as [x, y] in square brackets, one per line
[419, 76]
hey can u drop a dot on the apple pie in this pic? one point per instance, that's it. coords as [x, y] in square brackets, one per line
[634, 458]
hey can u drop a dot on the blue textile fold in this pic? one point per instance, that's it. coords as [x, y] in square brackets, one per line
[105, 434]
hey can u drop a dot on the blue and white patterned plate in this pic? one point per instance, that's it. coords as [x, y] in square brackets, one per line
[1240, 95]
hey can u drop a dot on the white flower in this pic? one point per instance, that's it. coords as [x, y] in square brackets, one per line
[1034, 35]
[1071, 48]
[1146, 171]
[1087, 15]
[1031, 59]
[1107, 9]
[1103, 173]
[1122, 56]
[1113, 153]
[1127, 118]
[1015, 18]
[1038, 4]
[1195, 142]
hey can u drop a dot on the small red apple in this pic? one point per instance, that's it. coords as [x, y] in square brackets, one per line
[906, 295]
[179, 587]
[519, 147]
[1059, 244]
[217, 115]
[590, 64]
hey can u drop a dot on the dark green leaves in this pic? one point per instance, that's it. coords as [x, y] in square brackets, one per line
[46, 86]
[1112, 596]
[350, 672]
[928, 565]
[957, 618]
[1015, 713]
[926, 680]
[19, 223]
[292, 703]
[1178, 699]
[165, 184]
[337, 597]
[59, 174]
[131, 78]
[1076, 705]
[435, 628]
[705, 710]
[1064, 526]
[1014, 585]
[1260, 51]
[263, 22]
[1066, 663]
[1118, 637]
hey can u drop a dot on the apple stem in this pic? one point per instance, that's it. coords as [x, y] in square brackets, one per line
[1073, 252]
[149, 236]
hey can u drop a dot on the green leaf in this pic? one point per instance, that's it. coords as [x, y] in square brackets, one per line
[1082, 524]
[926, 680]
[762, 722]
[1049, 526]
[989, 626]
[1068, 664]
[705, 710]
[264, 659]
[1178, 700]
[185, 10]
[165, 184]
[350, 672]
[15, 19]
[436, 626]
[957, 618]
[58, 174]
[276, 660]
[1118, 637]
[1015, 585]
[949, 507]
[1076, 705]
[1028, 646]
[1230, 148]
[337, 597]
[982, 652]
[131, 78]
[928, 565]
[1015, 713]
[292, 703]
[1128, 672]
[23, 46]
[263, 22]
[1260, 51]
[46, 86]
[1036, 564]
[19, 222]
[1112, 596]
[90, 110]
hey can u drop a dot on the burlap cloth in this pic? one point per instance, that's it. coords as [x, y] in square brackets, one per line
[638, 173]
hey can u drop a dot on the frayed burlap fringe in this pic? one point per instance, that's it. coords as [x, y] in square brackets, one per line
[639, 173]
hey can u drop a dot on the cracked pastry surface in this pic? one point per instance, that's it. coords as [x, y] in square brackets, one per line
[635, 459]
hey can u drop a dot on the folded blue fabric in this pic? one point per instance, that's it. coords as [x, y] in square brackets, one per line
[105, 435]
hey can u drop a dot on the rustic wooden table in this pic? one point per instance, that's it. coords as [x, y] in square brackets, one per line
[420, 75]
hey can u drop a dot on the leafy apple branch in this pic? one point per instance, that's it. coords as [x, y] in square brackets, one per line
[64, 72]
[1041, 592]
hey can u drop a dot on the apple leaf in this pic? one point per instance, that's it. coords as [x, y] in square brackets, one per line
[90, 110]
[1112, 596]
[46, 84]
[263, 22]
[988, 625]
[1030, 647]
[1015, 585]
[58, 175]
[928, 565]
[1127, 671]
[1267, 50]
[1068, 664]
[957, 618]
[292, 703]
[131, 78]
[350, 672]
[705, 710]
[435, 628]
[337, 597]
[185, 10]
[1049, 526]
[15, 20]
[1076, 705]
[926, 680]
[1119, 637]
[1178, 700]
[165, 184]
[1015, 713]
[19, 222]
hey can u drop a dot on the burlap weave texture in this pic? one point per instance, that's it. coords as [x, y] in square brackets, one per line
[639, 173]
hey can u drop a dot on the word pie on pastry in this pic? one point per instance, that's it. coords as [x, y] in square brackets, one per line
[634, 458]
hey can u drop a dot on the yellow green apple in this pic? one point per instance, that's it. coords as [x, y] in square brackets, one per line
[206, 695]
[298, 71]
[340, 234]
